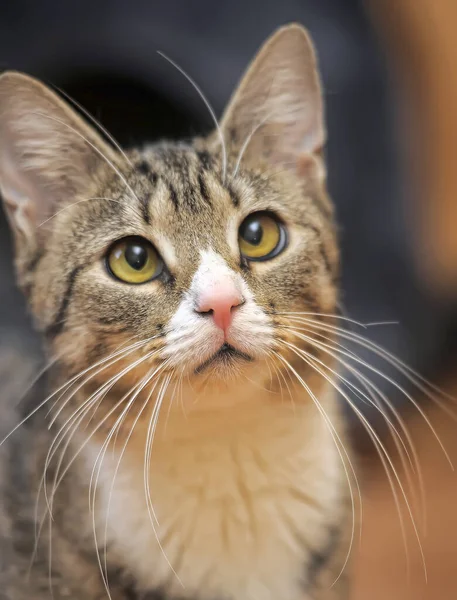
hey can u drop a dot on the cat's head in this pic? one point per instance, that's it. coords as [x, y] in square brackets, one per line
[188, 257]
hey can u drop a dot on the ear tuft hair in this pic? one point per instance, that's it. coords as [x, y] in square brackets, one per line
[276, 114]
[47, 152]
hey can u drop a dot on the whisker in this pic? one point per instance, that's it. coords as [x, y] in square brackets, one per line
[117, 355]
[93, 485]
[148, 451]
[51, 588]
[267, 362]
[379, 445]
[98, 466]
[181, 395]
[247, 142]
[146, 381]
[381, 323]
[51, 452]
[320, 314]
[79, 202]
[59, 389]
[414, 462]
[343, 453]
[388, 356]
[97, 123]
[280, 376]
[372, 390]
[94, 147]
[210, 110]
[149, 440]
[35, 379]
[278, 379]
[330, 350]
[109, 385]
[376, 394]
[73, 422]
[170, 404]
[367, 383]
[396, 415]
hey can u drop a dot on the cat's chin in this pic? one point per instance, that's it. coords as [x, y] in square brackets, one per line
[224, 362]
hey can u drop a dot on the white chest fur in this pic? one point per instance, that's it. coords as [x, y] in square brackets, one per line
[238, 499]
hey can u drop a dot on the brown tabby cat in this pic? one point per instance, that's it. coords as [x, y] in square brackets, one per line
[193, 446]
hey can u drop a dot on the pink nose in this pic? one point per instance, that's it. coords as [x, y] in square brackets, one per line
[219, 302]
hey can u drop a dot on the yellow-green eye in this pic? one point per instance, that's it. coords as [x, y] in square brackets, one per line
[261, 237]
[134, 260]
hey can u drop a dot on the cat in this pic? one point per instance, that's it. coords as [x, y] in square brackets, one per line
[187, 440]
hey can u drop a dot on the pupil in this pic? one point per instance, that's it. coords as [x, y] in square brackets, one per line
[252, 233]
[136, 256]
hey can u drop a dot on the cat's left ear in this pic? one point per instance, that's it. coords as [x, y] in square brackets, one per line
[48, 154]
[276, 113]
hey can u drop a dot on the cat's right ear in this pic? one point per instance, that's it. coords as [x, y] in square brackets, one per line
[48, 154]
[276, 114]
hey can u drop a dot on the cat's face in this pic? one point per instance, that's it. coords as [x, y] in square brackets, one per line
[187, 257]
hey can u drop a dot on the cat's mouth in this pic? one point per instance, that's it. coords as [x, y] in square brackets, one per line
[226, 356]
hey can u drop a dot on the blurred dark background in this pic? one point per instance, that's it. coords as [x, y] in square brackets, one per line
[389, 71]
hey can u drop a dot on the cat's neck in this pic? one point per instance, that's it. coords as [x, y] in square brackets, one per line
[201, 465]
[184, 409]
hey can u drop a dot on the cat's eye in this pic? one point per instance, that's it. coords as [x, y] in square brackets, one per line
[134, 260]
[261, 236]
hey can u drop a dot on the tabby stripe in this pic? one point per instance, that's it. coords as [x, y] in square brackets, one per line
[320, 558]
[173, 196]
[326, 259]
[59, 322]
[97, 351]
[190, 193]
[144, 168]
[112, 322]
[233, 135]
[131, 593]
[174, 161]
[233, 195]
[205, 159]
[30, 268]
[145, 209]
[245, 264]
[320, 206]
[204, 192]
[322, 251]
[193, 200]
[146, 200]
[33, 264]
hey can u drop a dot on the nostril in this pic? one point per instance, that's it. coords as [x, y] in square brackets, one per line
[240, 303]
[228, 306]
[220, 305]
[204, 313]
[237, 304]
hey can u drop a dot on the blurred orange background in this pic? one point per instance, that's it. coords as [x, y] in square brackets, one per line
[420, 44]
